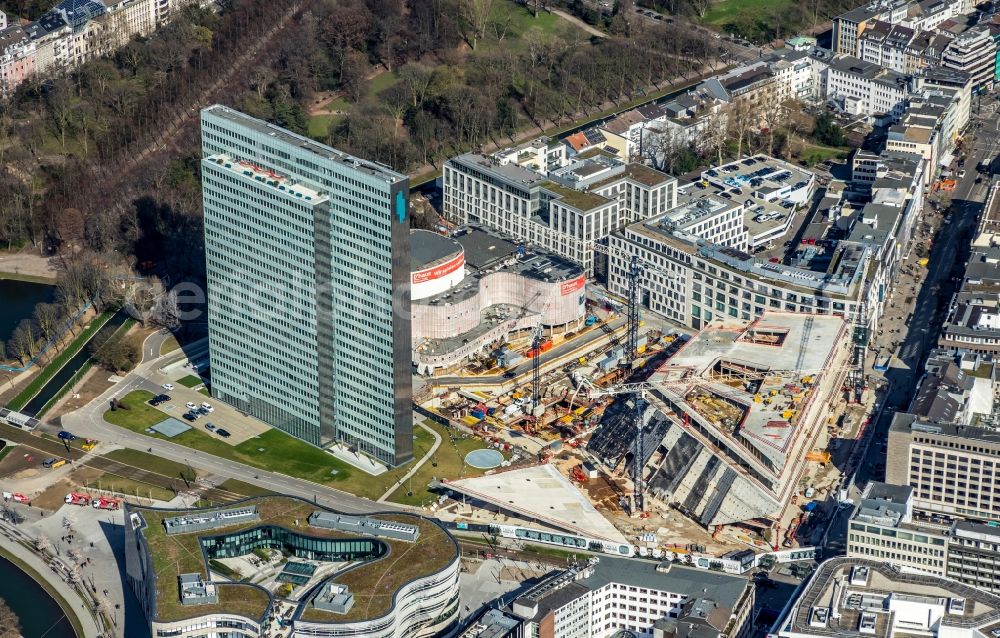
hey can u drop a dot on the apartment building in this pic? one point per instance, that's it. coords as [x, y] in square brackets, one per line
[51, 34]
[607, 596]
[883, 528]
[18, 58]
[308, 270]
[868, 597]
[565, 210]
[693, 279]
[865, 88]
[917, 15]
[900, 48]
[849, 26]
[974, 555]
[973, 323]
[75, 31]
[974, 52]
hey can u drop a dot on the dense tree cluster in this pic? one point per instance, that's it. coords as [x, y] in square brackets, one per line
[761, 24]
[104, 158]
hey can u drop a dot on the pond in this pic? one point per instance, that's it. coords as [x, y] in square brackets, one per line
[40, 616]
[18, 300]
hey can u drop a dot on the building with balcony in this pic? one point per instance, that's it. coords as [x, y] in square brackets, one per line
[613, 597]
[868, 597]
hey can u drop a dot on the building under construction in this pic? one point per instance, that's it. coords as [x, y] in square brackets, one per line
[730, 419]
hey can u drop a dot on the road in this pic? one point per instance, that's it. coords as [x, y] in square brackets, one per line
[911, 341]
[89, 422]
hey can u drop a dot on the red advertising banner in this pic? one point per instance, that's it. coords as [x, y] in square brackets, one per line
[438, 271]
[569, 287]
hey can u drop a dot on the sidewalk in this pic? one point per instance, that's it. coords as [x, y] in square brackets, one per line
[80, 607]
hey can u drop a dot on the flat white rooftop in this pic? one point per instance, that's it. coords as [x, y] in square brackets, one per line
[542, 493]
[775, 341]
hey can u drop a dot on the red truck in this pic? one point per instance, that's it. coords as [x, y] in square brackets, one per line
[78, 498]
[107, 503]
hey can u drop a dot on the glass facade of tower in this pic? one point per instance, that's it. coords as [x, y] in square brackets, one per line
[308, 268]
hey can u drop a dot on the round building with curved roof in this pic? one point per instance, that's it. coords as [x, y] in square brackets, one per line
[320, 572]
[473, 289]
[437, 264]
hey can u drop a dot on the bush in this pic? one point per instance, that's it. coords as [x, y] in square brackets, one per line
[826, 131]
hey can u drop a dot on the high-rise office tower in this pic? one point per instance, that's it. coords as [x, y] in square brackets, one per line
[308, 269]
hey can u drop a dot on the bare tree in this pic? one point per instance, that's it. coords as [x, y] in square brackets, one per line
[476, 17]
[10, 624]
[48, 316]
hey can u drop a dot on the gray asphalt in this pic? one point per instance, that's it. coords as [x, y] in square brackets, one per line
[911, 344]
[89, 422]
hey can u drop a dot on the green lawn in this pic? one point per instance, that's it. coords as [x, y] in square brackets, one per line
[5, 451]
[170, 344]
[448, 462]
[148, 462]
[190, 381]
[380, 82]
[129, 487]
[276, 451]
[246, 489]
[134, 413]
[519, 22]
[273, 450]
[725, 11]
[39, 380]
[35, 279]
[815, 153]
[319, 125]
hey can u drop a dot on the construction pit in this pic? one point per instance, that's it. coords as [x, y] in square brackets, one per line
[735, 428]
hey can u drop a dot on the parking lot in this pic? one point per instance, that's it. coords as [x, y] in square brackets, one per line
[240, 426]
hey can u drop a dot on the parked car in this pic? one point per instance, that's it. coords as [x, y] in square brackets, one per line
[67, 436]
[163, 398]
[188, 416]
[510, 374]
[210, 427]
[190, 405]
[223, 433]
[168, 386]
[207, 407]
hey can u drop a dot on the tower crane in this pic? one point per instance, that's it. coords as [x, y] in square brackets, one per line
[636, 270]
[536, 343]
[638, 392]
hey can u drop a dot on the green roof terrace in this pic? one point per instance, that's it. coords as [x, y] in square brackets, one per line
[373, 582]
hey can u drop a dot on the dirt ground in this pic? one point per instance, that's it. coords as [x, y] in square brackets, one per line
[21, 463]
[26, 262]
[52, 498]
[92, 385]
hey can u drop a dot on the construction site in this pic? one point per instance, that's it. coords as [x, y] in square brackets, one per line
[735, 428]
